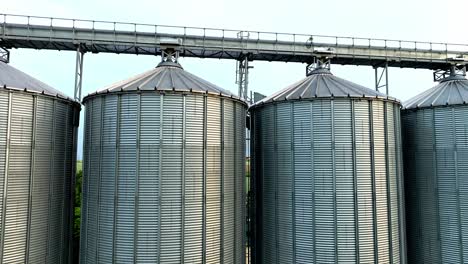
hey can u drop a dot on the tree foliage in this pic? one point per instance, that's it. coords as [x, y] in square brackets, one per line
[77, 216]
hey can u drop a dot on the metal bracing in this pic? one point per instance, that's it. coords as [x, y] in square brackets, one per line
[242, 76]
[33, 32]
[170, 54]
[4, 55]
[454, 70]
[381, 78]
[318, 63]
[79, 73]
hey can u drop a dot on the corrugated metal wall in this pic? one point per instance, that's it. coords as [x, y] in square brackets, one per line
[436, 173]
[163, 179]
[38, 137]
[328, 182]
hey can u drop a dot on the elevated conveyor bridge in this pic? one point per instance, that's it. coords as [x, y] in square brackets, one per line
[92, 36]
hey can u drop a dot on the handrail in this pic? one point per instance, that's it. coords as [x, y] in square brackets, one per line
[207, 32]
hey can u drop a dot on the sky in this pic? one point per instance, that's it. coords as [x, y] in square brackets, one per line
[421, 20]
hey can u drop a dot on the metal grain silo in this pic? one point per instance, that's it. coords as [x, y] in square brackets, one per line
[327, 174]
[38, 135]
[164, 163]
[435, 133]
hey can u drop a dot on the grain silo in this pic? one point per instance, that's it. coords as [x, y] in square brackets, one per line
[435, 135]
[164, 163]
[38, 135]
[327, 174]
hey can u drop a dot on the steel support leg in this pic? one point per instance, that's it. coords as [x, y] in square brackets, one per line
[4, 55]
[319, 62]
[454, 70]
[79, 73]
[243, 77]
[379, 82]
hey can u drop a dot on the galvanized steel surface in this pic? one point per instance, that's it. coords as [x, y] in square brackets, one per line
[328, 181]
[163, 178]
[167, 76]
[321, 83]
[451, 91]
[436, 178]
[38, 136]
[14, 79]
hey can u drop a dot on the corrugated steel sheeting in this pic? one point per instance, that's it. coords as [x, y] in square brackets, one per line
[167, 76]
[451, 91]
[163, 176]
[436, 174]
[12, 78]
[328, 179]
[322, 84]
[38, 135]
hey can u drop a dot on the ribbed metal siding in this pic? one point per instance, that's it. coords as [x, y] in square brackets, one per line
[436, 173]
[37, 163]
[175, 164]
[327, 175]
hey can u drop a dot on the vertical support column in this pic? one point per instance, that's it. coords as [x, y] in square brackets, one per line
[250, 202]
[31, 180]
[242, 76]
[137, 182]
[205, 132]
[379, 83]
[50, 191]
[5, 179]
[79, 72]
[116, 180]
[4, 55]
[184, 148]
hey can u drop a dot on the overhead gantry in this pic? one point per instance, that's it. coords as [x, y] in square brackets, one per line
[92, 36]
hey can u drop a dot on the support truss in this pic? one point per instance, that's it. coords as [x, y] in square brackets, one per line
[79, 73]
[4, 55]
[455, 70]
[170, 54]
[318, 63]
[381, 78]
[242, 76]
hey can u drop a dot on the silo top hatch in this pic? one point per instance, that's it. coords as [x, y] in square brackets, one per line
[320, 84]
[168, 76]
[452, 90]
[14, 79]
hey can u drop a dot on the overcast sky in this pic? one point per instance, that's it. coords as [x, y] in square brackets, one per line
[421, 20]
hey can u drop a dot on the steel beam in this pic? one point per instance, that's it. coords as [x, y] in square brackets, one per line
[242, 77]
[454, 70]
[110, 37]
[4, 55]
[79, 73]
[380, 81]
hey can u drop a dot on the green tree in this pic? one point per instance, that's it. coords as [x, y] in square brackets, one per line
[77, 216]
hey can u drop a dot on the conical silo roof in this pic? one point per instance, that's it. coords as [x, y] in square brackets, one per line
[321, 83]
[14, 79]
[450, 91]
[167, 76]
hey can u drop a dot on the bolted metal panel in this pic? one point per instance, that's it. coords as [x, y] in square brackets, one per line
[452, 90]
[326, 179]
[436, 151]
[175, 164]
[14, 79]
[37, 159]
